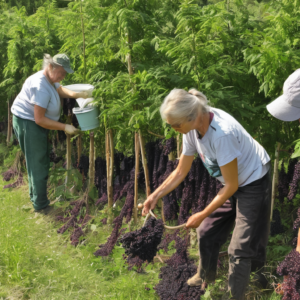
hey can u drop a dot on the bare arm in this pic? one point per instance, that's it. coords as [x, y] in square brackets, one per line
[230, 175]
[175, 178]
[65, 93]
[41, 120]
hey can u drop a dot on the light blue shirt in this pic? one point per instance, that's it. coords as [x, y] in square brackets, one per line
[37, 90]
[225, 140]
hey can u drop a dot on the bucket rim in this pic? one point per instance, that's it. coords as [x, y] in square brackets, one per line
[78, 110]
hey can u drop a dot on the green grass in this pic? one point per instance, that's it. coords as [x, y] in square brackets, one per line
[37, 263]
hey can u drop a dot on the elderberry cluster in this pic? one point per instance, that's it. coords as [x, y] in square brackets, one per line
[9, 174]
[84, 164]
[106, 249]
[294, 182]
[68, 105]
[290, 269]
[276, 225]
[17, 183]
[297, 221]
[170, 146]
[73, 218]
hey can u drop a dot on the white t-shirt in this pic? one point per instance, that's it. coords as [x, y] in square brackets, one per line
[225, 140]
[37, 90]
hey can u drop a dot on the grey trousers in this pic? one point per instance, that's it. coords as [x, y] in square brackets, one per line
[249, 209]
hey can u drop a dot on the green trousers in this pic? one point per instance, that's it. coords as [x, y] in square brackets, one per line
[33, 140]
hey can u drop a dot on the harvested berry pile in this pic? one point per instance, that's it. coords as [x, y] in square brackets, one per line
[174, 276]
[141, 245]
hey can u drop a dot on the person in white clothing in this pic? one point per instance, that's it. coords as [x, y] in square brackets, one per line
[242, 165]
[35, 110]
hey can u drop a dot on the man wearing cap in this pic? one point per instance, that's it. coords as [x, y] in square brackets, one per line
[287, 106]
[35, 110]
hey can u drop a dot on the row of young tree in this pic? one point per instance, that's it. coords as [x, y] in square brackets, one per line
[237, 52]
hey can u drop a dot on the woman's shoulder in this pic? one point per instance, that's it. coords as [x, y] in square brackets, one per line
[38, 81]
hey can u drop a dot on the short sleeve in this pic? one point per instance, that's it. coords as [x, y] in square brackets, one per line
[57, 85]
[188, 148]
[40, 98]
[227, 149]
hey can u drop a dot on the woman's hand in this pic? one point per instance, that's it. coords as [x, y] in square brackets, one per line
[195, 220]
[70, 129]
[150, 203]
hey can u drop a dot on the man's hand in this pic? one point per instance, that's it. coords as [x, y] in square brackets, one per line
[150, 203]
[195, 220]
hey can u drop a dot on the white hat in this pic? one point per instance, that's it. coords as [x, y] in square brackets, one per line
[287, 106]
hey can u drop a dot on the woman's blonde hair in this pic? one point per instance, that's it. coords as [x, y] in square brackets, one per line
[181, 106]
[48, 60]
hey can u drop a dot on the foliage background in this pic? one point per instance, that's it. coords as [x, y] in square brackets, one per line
[237, 52]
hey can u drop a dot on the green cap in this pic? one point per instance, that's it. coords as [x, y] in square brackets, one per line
[64, 61]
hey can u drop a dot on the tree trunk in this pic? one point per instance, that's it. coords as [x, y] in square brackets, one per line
[92, 161]
[145, 163]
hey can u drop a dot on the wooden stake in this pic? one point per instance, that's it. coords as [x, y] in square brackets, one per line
[109, 167]
[145, 163]
[275, 179]
[162, 211]
[178, 145]
[172, 156]
[107, 154]
[79, 149]
[68, 154]
[137, 167]
[111, 161]
[8, 124]
[92, 161]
